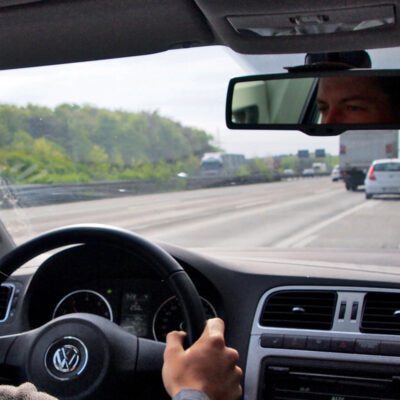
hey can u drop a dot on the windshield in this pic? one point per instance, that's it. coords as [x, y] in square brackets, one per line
[141, 143]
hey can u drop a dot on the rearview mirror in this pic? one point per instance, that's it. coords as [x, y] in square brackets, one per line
[319, 103]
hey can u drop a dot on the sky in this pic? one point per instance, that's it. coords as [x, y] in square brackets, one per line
[188, 86]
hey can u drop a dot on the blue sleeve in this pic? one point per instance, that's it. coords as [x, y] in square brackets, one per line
[190, 394]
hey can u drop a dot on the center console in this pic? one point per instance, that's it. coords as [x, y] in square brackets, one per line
[343, 361]
[303, 378]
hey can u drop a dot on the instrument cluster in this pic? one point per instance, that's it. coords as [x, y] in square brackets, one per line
[143, 307]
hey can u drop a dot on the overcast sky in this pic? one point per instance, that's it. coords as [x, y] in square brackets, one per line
[187, 85]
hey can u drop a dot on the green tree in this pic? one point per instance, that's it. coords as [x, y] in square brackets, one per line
[72, 143]
[22, 141]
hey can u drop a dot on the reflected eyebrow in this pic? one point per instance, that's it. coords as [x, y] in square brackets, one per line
[351, 98]
[357, 98]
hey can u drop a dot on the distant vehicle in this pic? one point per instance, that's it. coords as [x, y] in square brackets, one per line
[383, 178]
[319, 168]
[288, 172]
[221, 164]
[335, 174]
[308, 172]
[358, 149]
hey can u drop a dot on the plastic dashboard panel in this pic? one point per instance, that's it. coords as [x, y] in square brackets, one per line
[305, 341]
[237, 282]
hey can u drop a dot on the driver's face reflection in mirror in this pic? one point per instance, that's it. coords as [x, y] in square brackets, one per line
[356, 100]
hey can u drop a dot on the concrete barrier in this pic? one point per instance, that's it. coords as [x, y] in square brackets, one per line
[45, 194]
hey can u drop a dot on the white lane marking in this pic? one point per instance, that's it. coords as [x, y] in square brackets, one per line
[254, 203]
[305, 241]
[293, 240]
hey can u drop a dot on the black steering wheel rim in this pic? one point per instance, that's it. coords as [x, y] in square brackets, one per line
[147, 353]
[165, 265]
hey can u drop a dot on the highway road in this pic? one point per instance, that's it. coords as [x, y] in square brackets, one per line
[291, 214]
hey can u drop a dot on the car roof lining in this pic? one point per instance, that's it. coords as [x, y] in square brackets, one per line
[45, 32]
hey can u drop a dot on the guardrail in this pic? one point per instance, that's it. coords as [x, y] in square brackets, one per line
[45, 194]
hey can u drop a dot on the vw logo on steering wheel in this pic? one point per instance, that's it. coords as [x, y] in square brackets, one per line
[66, 358]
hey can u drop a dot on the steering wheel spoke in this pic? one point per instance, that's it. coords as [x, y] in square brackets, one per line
[10, 366]
[150, 356]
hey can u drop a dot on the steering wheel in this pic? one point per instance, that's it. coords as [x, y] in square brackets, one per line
[81, 356]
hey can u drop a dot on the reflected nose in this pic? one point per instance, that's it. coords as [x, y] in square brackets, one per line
[332, 116]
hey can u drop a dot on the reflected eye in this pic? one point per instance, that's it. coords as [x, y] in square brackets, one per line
[354, 108]
[322, 108]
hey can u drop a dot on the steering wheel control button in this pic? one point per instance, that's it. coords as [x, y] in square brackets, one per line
[271, 341]
[66, 358]
[365, 346]
[342, 345]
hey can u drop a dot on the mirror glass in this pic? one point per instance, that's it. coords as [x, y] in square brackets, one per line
[343, 100]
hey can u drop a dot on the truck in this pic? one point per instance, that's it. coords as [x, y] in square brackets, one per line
[319, 168]
[358, 149]
[221, 164]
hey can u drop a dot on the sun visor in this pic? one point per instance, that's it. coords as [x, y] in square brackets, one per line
[34, 32]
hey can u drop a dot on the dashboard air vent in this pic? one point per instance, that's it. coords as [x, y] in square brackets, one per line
[381, 313]
[5, 298]
[300, 309]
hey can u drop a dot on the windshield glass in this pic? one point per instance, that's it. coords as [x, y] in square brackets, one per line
[141, 143]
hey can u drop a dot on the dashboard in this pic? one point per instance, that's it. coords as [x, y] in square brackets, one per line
[301, 328]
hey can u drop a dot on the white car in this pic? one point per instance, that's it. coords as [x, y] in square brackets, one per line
[288, 172]
[383, 178]
[335, 174]
[308, 172]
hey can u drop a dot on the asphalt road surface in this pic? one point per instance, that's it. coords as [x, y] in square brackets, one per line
[297, 213]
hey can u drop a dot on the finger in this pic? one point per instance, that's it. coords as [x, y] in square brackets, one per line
[174, 343]
[239, 373]
[239, 392]
[233, 355]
